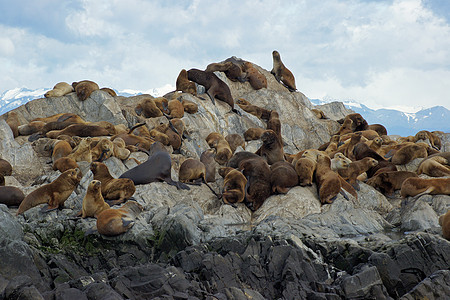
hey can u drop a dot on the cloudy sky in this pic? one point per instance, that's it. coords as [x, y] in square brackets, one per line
[392, 53]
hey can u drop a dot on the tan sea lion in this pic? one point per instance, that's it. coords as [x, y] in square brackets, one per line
[283, 177]
[82, 152]
[115, 221]
[271, 149]
[63, 164]
[437, 165]
[119, 149]
[61, 148]
[148, 108]
[207, 158]
[93, 202]
[234, 184]
[13, 121]
[54, 193]
[184, 85]
[191, 171]
[110, 91]
[60, 89]
[319, 114]
[256, 79]
[118, 190]
[215, 88]
[103, 150]
[189, 106]
[176, 108]
[223, 150]
[435, 141]
[10, 195]
[416, 187]
[84, 88]
[444, 221]
[282, 73]
[235, 140]
[253, 133]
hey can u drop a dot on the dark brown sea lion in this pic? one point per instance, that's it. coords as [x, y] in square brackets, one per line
[236, 159]
[5, 167]
[282, 73]
[157, 168]
[257, 111]
[271, 149]
[257, 172]
[359, 123]
[282, 177]
[10, 195]
[81, 130]
[380, 129]
[234, 184]
[207, 158]
[235, 140]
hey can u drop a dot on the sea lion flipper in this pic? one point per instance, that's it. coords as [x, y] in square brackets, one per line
[48, 208]
[236, 111]
[127, 222]
[343, 194]
[356, 186]
[389, 154]
[211, 97]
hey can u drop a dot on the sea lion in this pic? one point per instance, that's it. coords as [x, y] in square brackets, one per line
[5, 167]
[253, 133]
[437, 165]
[258, 189]
[162, 103]
[236, 159]
[61, 148]
[435, 141]
[207, 158]
[223, 150]
[339, 163]
[356, 168]
[31, 127]
[346, 127]
[274, 124]
[131, 139]
[215, 88]
[115, 221]
[54, 193]
[157, 168]
[63, 164]
[305, 168]
[174, 138]
[235, 140]
[444, 221]
[176, 108]
[283, 177]
[231, 70]
[406, 154]
[148, 108]
[60, 89]
[256, 79]
[375, 144]
[282, 73]
[160, 137]
[388, 182]
[362, 150]
[117, 190]
[81, 130]
[380, 129]
[191, 170]
[271, 149]
[11, 196]
[234, 184]
[257, 111]
[347, 149]
[110, 91]
[319, 114]
[107, 125]
[84, 88]
[119, 149]
[333, 145]
[13, 121]
[189, 106]
[416, 187]
[93, 202]
[184, 85]
[82, 152]
[103, 150]
[359, 123]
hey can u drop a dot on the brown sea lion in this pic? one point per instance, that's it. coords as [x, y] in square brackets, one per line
[231, 70]
[2, 180]
[215, 88]
[61, 148]
[271, 149]
[184, 85]
[223, 150]
[54, 193]
[416, 187]
[82, 152]
[174, 138]
[436, 165]
[240, 156]
[282, 73]
[117, 190]
[435, 141]
[5, 167]
[110, 91]
[81, 130]
[103, 150]
[234, 184]
[148, 108]
[380, 129]
[162, 103]
[84, 88]
[319, 114]
[10, 195]
[283, 177]
[131, 139]
[444, 221]
[176, 108]
[253, 133]
[115, 221]
[359, 123]
[328, 183]
[256, 79]
[347, 148]
[235, 140]
[305, 168]
[362, 150]
[189, 106]
[356, 168]
[31, 127]
[274, 124]
[60, 89]
[257, 172]
[346, 127]
[388, 182]
[93, 202]
[207, 158]
[191, 170]
[64, 163]
[408, 153]
[13, 121]
[157, 168]
[257, 111]
[375, 144]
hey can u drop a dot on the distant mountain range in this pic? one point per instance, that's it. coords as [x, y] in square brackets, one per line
[396, 122]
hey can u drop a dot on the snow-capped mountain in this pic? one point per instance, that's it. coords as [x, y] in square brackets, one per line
[19, 96]
[398, 122]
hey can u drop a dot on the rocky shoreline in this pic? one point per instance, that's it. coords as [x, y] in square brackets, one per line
[189, 245]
